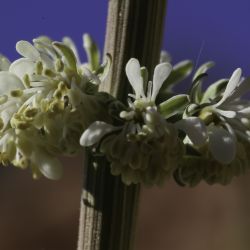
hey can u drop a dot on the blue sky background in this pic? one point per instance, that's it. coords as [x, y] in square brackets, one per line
[195, 29]
[216, 30]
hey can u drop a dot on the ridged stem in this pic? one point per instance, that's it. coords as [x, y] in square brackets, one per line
[108, 207]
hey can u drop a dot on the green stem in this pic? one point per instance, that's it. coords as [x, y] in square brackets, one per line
[108, 207]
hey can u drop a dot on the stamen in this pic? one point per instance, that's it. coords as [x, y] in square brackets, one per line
[149, 90]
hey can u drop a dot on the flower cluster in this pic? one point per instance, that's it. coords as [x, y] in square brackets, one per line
[216, 123]
[44, 98]
[49, 101]
[195, 136]
[144, 148]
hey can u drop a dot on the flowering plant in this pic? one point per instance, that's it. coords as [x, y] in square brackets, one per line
[45, 96]
[50, 100]
[146, 146]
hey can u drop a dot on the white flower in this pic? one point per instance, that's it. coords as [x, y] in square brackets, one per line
[9, 85]
[221, 143]
[220, 137]
[43, 101]
[95, 132]
[147, 113]
[145, 148]
[195, 128]
[147, 154]
[161, 73]
[235, 89]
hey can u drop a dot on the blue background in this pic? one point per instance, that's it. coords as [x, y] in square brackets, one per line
[213, 216]
[195, 29]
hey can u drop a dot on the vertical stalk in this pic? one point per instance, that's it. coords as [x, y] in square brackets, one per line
[108, 207]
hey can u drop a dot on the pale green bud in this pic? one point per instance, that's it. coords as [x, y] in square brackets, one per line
[193, 169]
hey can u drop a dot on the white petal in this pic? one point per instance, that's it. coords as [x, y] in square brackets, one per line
[241, 89]
[4, 63]
[47, 60]
[133, 71]
[49, 166]
[226, 113]
[45, 47]
[194, 128]
[9, 82]
[69, 42]
[95, 132]
[27, 50]
[161, 73]
[245, 111]
[232, 84]
[7, 113]
[22, 66]
[39, 78]
[222, 145]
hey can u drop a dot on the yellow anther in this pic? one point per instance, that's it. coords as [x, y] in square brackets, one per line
[3, 99]
[16, 93]
[59, 65]
[26, 80]
[31, 112]
[39, 67]
[49, 73]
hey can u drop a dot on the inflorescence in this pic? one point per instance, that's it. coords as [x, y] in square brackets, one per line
[49, 101]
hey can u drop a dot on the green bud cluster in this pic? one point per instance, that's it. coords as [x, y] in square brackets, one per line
[149, 156]
[193, 169]
[217, 132]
